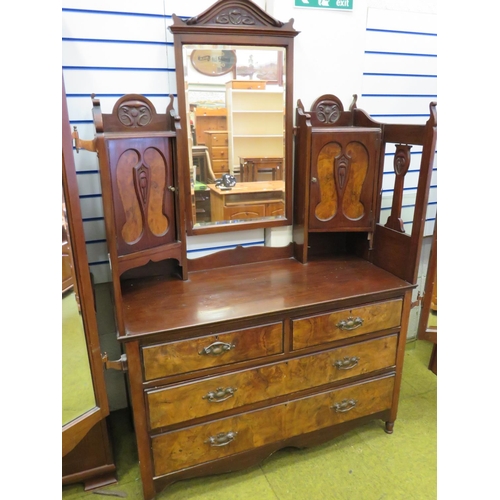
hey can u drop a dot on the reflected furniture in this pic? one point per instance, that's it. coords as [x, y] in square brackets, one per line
[255, 122]
[247, 200]
[209, 119]
[250, 350]
[253, 169]
[86, 448]
[216, 142]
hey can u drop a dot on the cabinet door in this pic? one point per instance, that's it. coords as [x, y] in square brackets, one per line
[143, 197]
[343, 179]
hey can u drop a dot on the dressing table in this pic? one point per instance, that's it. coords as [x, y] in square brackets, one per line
[233, 356]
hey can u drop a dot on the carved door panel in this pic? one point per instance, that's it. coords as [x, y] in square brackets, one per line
[343, 167]
[143, 192]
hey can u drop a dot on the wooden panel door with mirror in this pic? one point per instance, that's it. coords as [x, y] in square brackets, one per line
[86, 449]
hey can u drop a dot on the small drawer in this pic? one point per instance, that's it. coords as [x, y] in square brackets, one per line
[225, 437]
[178, 403]
[218, 153]
[216, 138]
[237, 212]
[185, 356]
[346, 323]
[220, 166]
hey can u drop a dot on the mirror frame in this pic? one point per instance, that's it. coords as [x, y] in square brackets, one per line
[75, 431]
[233, 23]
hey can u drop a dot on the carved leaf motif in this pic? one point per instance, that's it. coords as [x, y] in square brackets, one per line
[402, 159]
[236, 17]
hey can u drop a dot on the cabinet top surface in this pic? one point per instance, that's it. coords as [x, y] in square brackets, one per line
[251, 291]
[250, 187]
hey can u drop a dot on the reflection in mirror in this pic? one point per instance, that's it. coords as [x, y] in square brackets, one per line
[236, 104]
[77, 386]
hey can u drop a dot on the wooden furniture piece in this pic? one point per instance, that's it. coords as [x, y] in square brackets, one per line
[255, 122]
[240, 45]
[427, 326]
[140, 186]
[261, 349]
[216, 142]
[209, 119]
[247, 200]
[86, 449]
[251, 169]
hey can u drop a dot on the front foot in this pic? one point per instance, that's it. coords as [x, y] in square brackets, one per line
[389, 427]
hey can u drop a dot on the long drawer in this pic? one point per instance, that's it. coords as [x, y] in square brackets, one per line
[187, 401]
[206, 442]
[174, 358]
[346, 323]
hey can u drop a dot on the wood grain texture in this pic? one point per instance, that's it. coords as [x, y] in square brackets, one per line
[188, 447]
[325, 327]
[154, 305]
[185, 356]
[183, 402]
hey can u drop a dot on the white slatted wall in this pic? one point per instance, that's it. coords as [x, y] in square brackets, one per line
[399, 82]
[121, 47]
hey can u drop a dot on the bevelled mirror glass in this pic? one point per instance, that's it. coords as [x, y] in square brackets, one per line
[234, 66]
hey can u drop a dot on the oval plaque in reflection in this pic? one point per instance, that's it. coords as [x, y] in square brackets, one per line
[213, 62]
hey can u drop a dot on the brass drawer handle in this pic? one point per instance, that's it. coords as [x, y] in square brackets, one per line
[350, 323]
[221, 439]
[345, 405]
[217, 348]
[347, 363]
[220, 394]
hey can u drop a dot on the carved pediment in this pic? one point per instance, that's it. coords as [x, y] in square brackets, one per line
[231, 14]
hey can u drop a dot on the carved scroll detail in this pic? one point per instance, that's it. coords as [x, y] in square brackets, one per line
[235, 17]
[134, 114]
[328, 112]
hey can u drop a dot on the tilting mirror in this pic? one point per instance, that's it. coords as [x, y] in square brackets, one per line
[235, 102]
[78, 395]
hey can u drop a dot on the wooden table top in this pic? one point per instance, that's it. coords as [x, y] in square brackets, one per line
[236, 293]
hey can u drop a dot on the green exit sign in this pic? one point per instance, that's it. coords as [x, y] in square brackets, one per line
[325, 4]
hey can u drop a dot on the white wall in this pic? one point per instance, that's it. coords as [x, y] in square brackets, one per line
[383, 50]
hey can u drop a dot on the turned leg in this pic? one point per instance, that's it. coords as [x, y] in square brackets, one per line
[389, 427]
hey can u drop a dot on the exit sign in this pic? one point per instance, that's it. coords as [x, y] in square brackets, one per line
[325, 4]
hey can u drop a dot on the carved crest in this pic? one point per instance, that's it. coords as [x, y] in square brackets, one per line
[134, 114]
[328, 109]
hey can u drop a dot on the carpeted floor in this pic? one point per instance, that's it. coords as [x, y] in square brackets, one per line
[365, 464]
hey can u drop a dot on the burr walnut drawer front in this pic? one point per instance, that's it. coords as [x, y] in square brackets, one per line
[346, 323]
[225, 437]
[174, 358]
[191, 400]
